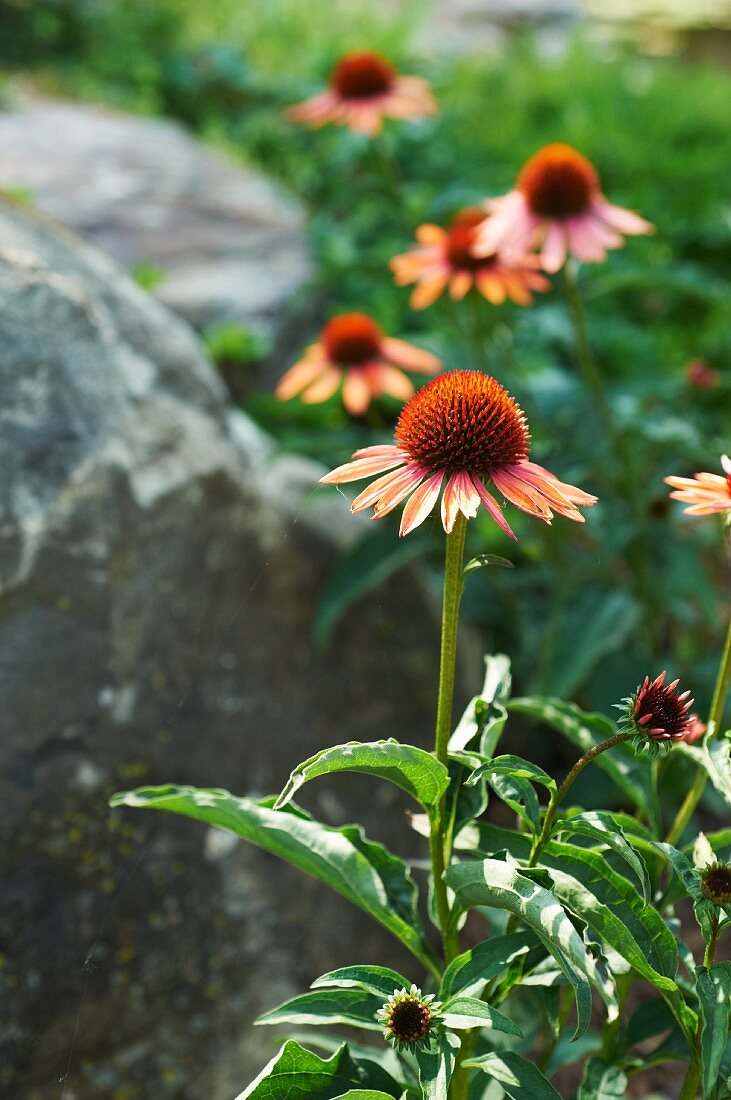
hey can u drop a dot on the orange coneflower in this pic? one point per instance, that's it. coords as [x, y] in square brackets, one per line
[353, 348]
[460, 430]
[363, 89]
[557, 207]
[705, 493]
[445, 257]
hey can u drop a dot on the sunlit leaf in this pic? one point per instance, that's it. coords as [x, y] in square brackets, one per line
[462, 1012]
[520, 1079]
[605, 828]
[714, 994]
[379, 980]
[328, 1006]
[602, 1081]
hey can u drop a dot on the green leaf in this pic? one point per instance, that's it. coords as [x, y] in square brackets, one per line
[295, 1072]
[363, 1094]
[520, 1079]
[465, 1012]
[500, 886]
[630, 773]
[715, 758]
[370, 563]
[485, 716]
[611, 906]
[689, 878]
[520, 796]
[414, 770]
[514, 766]
[714, 994]
[485, 839]
[482, 560]
[379, 980]
[436, 1065]
[344, 859]
[469, 973]
[605, 828]
[602, 1082]
[328, 1006]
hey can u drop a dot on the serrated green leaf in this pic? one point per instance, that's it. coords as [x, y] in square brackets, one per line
[520, 1079]
[436, 1065]
[482, 722]
[364, 872]
[295, 1072]
[605, 828]
[379, 980]
[328, 1006]
[461, 1012]
[602, 1081]
[714, 994]
[469, 973]
[414, 770]
[630, 773]
[498, 885]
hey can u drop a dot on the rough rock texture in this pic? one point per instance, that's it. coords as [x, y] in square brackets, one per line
[158, 572]
[231, 248]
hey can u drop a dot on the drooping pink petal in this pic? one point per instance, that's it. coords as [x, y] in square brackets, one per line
[625, 221]
[522, 495]
[299, 376]
[421, 504]
[459, 285]
[393, 496]
[323, 387]
[493, 507]
[393, 480]
[391, 380]
[553, 252]
[426, 292]
[468, 498]
[450, 504]
[406, 355]
[356, 392]
[366, 466]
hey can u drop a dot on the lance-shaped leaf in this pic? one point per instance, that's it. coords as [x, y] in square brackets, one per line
[363, 1094]
[714, 994]
[520, 796]
[715, 758]
[520, 1079]
[436, 1064]
[689, 879]
[328, 1006]
[379, 980]
[494, 883]
[482, 722]
[630, 773]
[469, 973]
[483, 560]
[344, 859]
[514, 766]
[612, 908]
[602, 1081]
[605, 828]
[295, 1072]
[465, 1012]
[414, 770]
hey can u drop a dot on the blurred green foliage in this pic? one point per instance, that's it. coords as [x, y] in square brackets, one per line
[577, 615]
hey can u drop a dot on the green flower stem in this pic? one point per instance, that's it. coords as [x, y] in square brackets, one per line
[715, 721]
[558, 798]
[454, 557]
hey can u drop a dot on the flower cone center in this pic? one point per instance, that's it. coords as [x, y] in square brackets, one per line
[462, 233]
[463, 421]
[409, 1021]
[352, 339]
[717, 884]
[558, 182]
[665, 709]
[362, 75]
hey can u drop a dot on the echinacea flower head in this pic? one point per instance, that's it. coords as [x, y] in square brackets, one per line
[363, 89]
[705, 493]
[701, 375]
[409, 1019]
[353, 349]
[716, 883]
[444, 258]
[557, 206]
[459, 430]
[657, 713]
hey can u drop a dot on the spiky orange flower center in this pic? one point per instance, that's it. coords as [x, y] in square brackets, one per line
[716, 883]
[557, 181]
[658, 707]
[463, 420]
[461, 236]
[362, 75]
[351, 339]
[409, 1020]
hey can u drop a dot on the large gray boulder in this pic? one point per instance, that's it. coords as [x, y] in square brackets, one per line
[228, 246]
[159, 569]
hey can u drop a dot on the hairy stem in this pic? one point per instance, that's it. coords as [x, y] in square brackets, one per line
[558, 798]
[454, 556]
[715, 721]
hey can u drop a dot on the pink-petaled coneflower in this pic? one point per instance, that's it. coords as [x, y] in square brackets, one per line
[558, 207]
[705, 493]
[353, 349]
[444, 258]
[363, 89]
[658, 713]
[458, 431]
